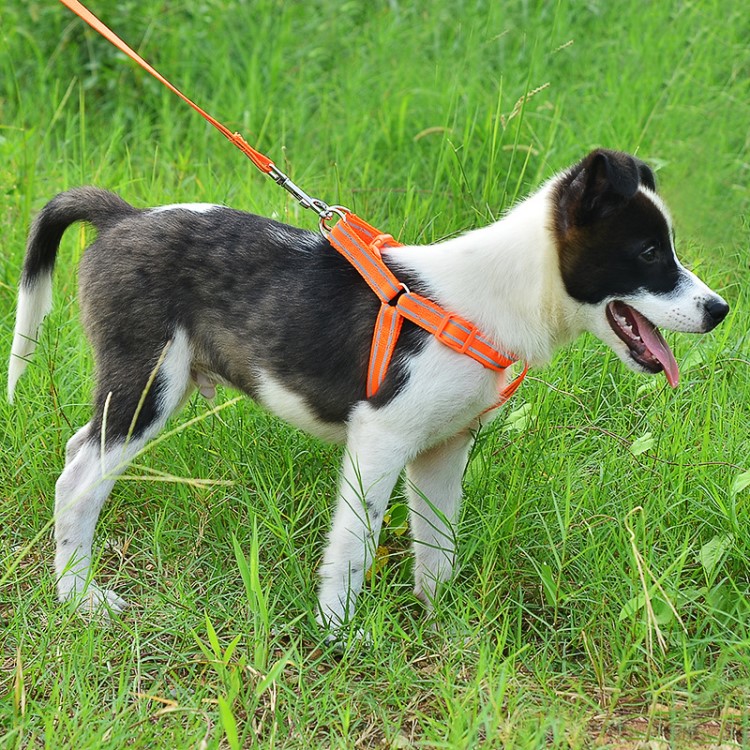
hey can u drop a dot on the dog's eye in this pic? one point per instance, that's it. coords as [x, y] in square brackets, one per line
[650, 254]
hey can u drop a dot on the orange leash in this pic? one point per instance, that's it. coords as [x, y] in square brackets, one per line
[262, 162]
[361, 244]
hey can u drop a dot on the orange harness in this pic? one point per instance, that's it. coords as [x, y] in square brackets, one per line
[361, 245]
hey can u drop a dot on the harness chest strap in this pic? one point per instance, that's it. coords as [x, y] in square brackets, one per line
[360, 243]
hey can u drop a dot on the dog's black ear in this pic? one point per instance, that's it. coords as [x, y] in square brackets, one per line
[599, 186]
[646, 174]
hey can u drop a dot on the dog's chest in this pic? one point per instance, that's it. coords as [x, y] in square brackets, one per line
[445, 393]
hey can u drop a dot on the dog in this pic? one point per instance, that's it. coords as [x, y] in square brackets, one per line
[188, 296]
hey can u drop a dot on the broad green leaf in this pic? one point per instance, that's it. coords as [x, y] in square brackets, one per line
[273, 674]
[712, 552]
[548, 583]
[632, 606]
[663, 612]
[741, 482]
[229, 723]
[642, 444]
[719, 598]
[213, 639]
[693, 358]
[398, 521]
[226, 658]
[518, 420]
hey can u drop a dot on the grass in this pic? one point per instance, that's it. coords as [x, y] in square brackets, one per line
[603, 597]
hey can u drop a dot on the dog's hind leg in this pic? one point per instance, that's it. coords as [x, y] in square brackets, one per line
[434, 490]
[74, 444]
[128, 413]
[80, 493]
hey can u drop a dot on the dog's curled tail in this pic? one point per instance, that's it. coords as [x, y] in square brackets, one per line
[98, 207]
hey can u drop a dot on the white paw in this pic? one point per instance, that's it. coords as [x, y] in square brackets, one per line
[341, 639]
[104, 601]
[93, 600]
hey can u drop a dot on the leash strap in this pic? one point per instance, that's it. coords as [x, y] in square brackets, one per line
[361, 244]
[262, 162]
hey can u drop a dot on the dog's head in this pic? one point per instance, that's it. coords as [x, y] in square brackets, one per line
[617, 259]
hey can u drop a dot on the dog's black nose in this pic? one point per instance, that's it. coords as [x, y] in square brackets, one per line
[716, 310]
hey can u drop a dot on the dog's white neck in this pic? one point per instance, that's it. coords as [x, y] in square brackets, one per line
[505, 278]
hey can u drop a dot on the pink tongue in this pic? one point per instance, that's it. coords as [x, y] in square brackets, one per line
[656, 344]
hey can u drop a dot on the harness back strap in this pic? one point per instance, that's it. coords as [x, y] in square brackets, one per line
[361, 244]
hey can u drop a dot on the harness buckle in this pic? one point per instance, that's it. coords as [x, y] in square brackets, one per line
[451, 340]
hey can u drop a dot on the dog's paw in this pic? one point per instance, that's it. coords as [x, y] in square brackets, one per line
[95, 601]
[341, 639]
[101, 602]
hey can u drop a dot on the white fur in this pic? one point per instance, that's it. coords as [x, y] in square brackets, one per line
[80, 492]
[34, 303]
[434, 492]
[198, 208]
[505, 279]
[292, 408]
[427, 428]
[175, 372]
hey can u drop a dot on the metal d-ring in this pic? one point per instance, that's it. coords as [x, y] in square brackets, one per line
[329, 213]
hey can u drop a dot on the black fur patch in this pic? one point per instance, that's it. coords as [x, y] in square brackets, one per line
[81, 204]
[613, 240]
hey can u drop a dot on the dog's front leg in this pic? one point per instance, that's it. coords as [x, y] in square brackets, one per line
[373, 460]
[434, 490]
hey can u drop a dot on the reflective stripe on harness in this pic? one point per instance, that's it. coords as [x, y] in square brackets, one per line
[360, 243]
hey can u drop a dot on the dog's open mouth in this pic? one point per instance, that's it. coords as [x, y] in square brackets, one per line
[646, 344]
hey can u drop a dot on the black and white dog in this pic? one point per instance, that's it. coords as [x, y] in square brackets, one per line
[186, 296]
